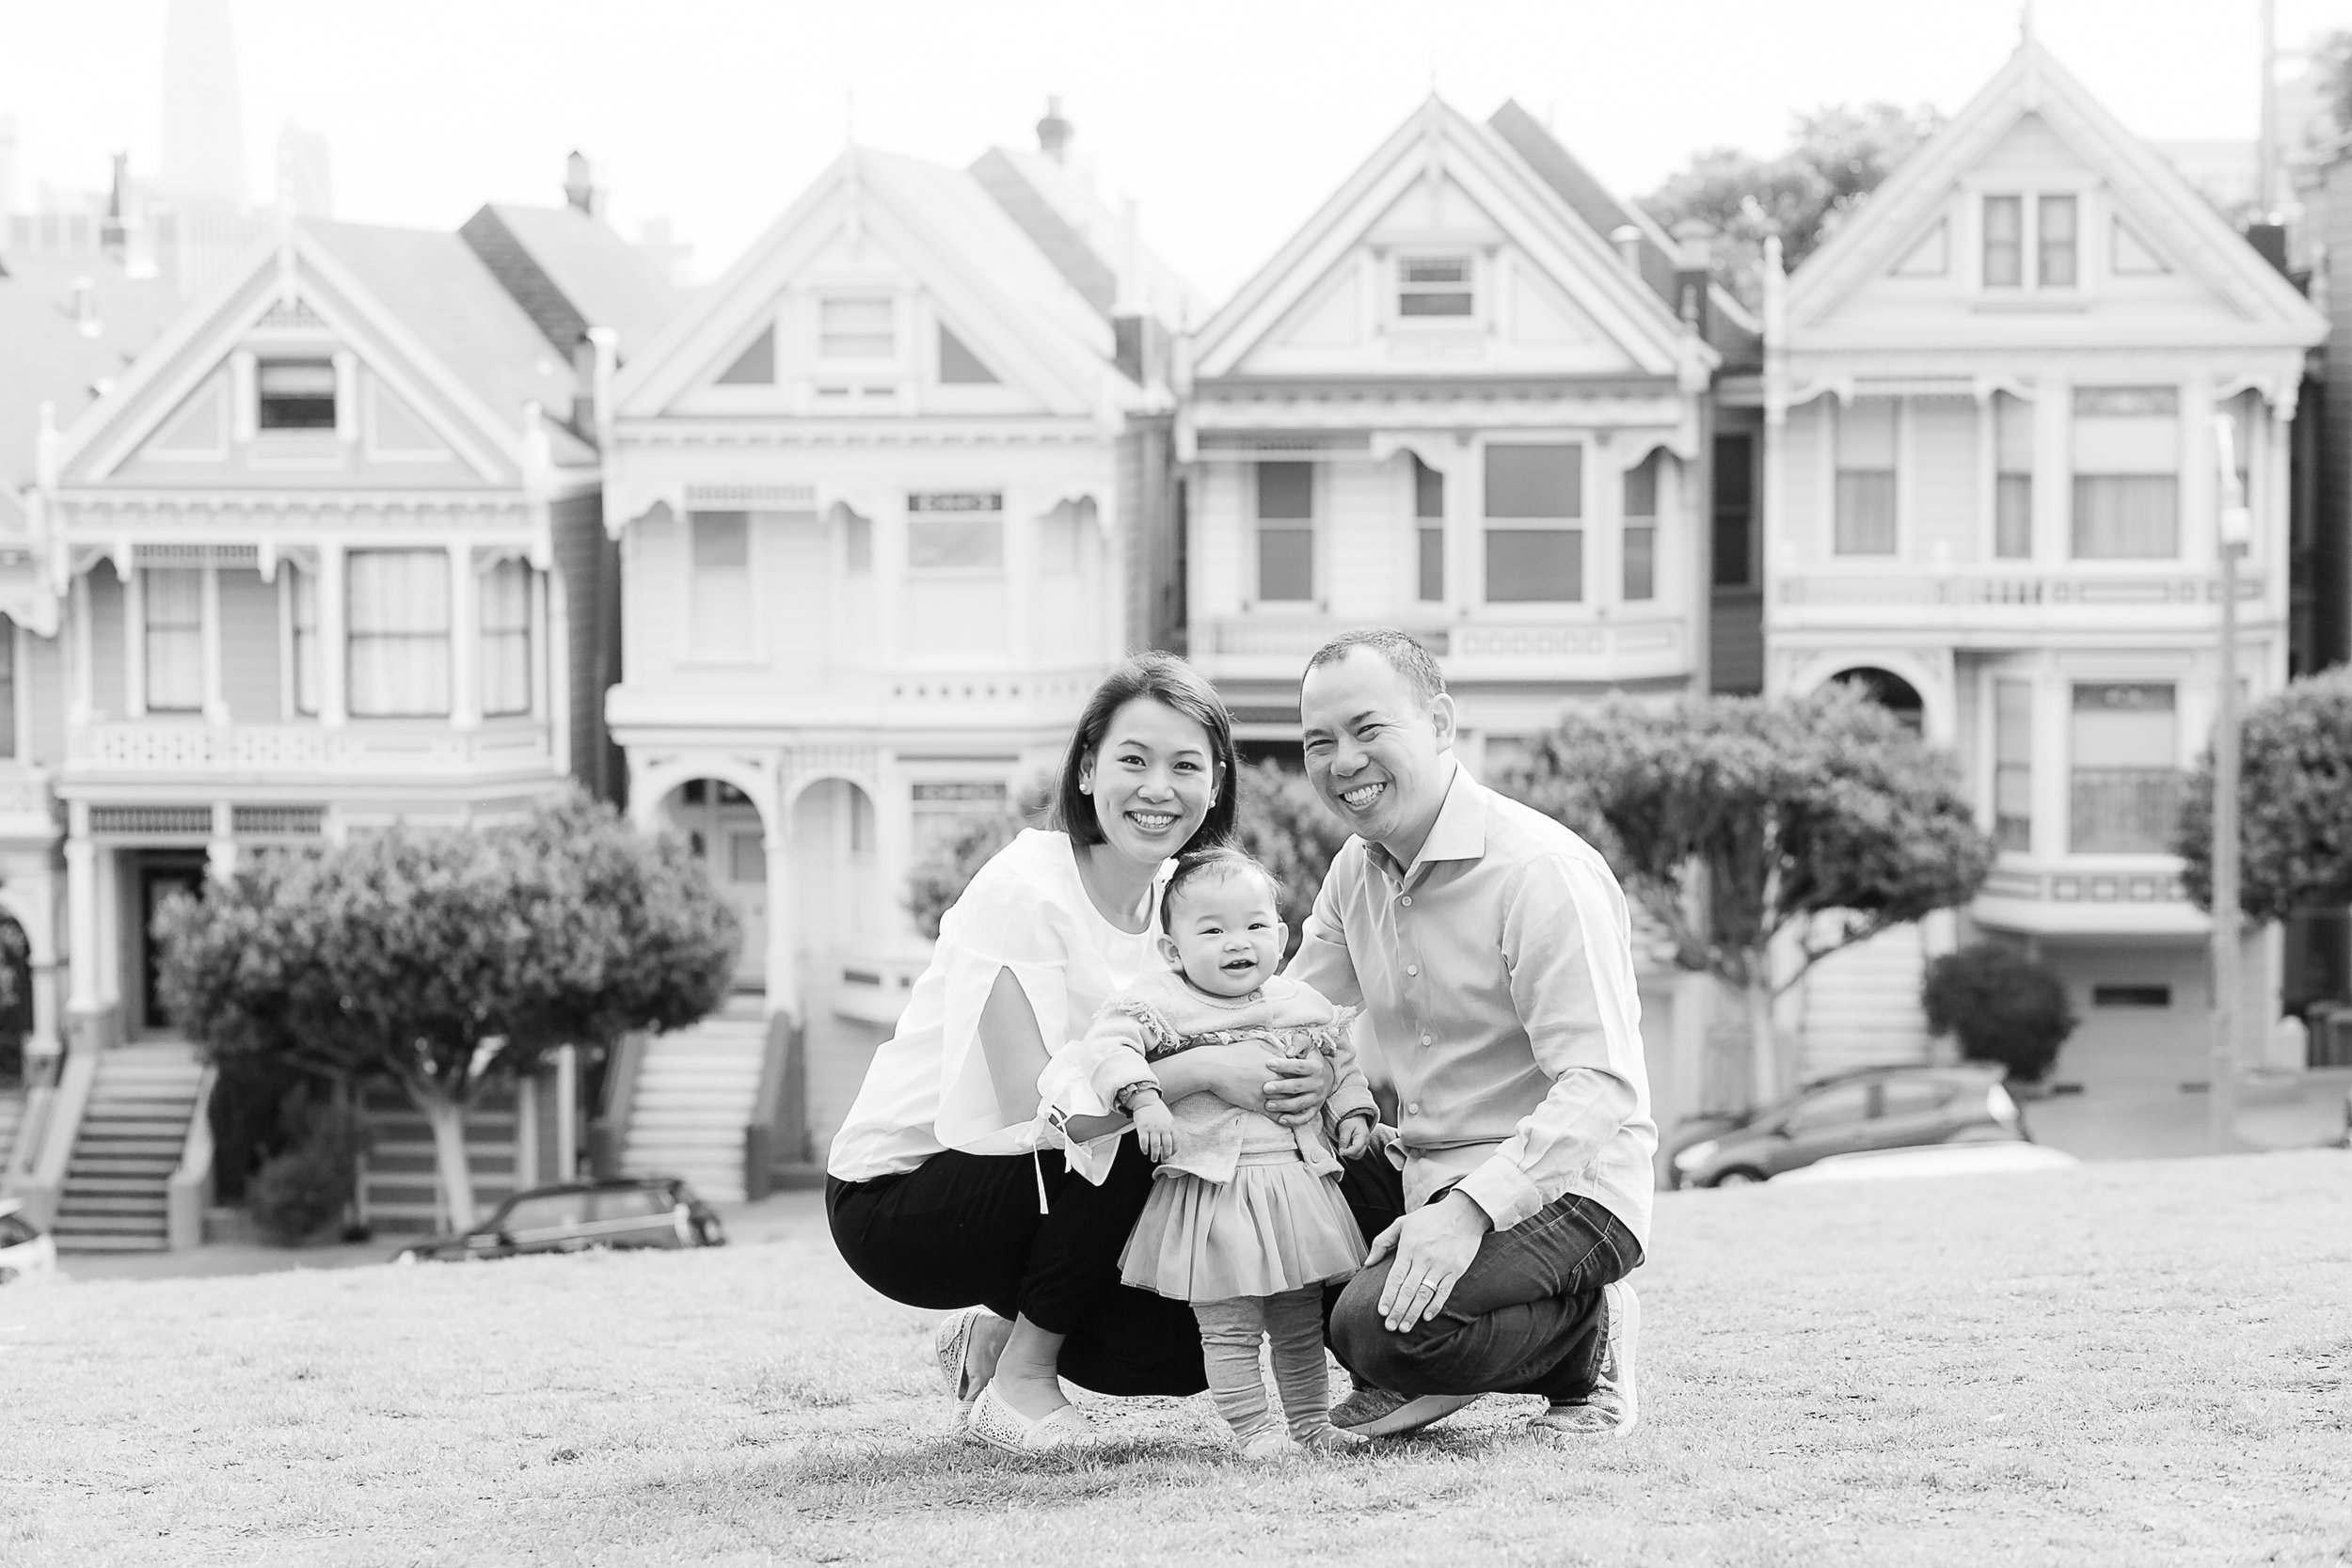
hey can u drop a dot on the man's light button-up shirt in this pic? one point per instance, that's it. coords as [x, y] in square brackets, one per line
[1413, 1109]
[1406, 899]
[1412, 969]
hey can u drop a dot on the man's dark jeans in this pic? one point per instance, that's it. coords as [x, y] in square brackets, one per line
[1525, 1317]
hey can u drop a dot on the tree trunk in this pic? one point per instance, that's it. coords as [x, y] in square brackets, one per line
[1763, 1049]
[447, 1118]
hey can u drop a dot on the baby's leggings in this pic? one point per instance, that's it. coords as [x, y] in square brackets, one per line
[1230, 1332]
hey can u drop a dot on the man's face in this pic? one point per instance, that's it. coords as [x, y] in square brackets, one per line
[1373, 752]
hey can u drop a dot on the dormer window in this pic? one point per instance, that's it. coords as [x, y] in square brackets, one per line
[2031, 242]
[854, 328]
[295, 394]
[1434, 286]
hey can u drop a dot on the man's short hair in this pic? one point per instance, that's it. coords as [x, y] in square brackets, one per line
[1402, 649]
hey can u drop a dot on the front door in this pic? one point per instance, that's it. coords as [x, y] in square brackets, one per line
[159, 880]
[723, 826]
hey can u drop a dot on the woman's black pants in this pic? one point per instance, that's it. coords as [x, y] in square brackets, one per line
[964, 1230]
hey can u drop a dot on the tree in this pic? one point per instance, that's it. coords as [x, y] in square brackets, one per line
[1838, 157]
[1737, 822]
[445, 960]
[2003, 1006]
[2295, 804]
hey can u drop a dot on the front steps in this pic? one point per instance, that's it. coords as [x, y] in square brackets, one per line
[696, 1092]
[399, 1193]
[1861, 1006]
[132, 1134]
[11, 1118]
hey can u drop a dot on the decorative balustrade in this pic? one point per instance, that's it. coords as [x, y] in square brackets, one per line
[1536, 648]
[2004, 589]
[365, 747]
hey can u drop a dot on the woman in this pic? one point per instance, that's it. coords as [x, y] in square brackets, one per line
[939, 1195]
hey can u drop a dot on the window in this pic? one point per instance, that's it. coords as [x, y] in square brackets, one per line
[941, 810]
[1640, 529]
[958, 365]
[296, 394]
[507, 639]
[399, 633]
[747, 859]
[757, 365]
[855, 329]
[2053, 242]
[1429, 532]
[1286, 532]
[1866, 477]
[2004, 241]
[2126, 458]
[174, 601]
[1531, 493]
[2012, 765]
[1735, 510]
[1434, 286]
[302, 589]
[957, 532]
[2012, 481]
[720, 593]
[1061, 540]
[2126, 794]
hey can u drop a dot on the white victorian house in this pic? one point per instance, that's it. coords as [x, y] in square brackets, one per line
[877, 491]
[1991, 493]
[1468, 396]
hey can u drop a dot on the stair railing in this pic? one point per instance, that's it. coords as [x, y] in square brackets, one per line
[190, 1187]
[47, 1184]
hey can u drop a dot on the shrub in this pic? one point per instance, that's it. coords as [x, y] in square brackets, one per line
[1284, 823]
[294, 1193]
[2003, 1006]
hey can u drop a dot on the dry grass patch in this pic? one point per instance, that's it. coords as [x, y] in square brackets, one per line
[2123, 1364]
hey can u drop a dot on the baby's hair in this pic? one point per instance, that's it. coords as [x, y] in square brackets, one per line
[1220, 861]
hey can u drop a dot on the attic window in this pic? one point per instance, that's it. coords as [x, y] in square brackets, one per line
[1434, 286]
[855, 328]
[958, 365]
[296, 394]
[757, 365]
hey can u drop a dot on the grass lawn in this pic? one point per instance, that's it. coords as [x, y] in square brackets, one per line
[2123, 1364]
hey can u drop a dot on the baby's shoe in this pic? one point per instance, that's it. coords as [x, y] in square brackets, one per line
[1273, 1443]
[1331, 1439]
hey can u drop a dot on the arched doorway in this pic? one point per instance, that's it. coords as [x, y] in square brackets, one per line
[842, 904]
[723, 826]
[1890, 692]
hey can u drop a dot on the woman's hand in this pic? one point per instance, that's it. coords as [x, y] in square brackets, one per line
[1252, 1076]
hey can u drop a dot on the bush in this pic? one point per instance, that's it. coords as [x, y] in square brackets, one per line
[1284, 823]
[2003, 1006]
[942, 872]
[295, 1193]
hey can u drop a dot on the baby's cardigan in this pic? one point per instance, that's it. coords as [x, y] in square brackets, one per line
[1161, 1015]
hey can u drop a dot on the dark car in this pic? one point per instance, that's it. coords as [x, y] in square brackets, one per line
[1898, 1107]
[574, 1217]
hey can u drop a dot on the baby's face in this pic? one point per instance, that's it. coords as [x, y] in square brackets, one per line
[1223, 934]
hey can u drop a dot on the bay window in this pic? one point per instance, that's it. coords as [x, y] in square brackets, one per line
[2125, 796]
[1866, 477]
[2126, 459]
[505, 611]
[1286, 532]
[956, 533]
[1428, 532]
[2012, 481]
[173, 601]
[400, 632]
[719, 595]
[2012, 765]
[1640, 529]
[302, 619]
[1534, 505]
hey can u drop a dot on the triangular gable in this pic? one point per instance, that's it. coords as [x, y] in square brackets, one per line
[408, 409]
[1445, 185]
[2033, 96]
[902, 229]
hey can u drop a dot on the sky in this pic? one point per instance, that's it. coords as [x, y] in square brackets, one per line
[1228, 120]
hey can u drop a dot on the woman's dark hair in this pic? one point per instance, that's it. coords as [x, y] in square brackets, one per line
[1167, 680]
[1218, 861]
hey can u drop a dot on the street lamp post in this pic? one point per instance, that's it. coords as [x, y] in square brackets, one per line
[2235, 526]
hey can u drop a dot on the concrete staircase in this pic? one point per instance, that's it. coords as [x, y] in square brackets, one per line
[11, 1118]
[1860, 1007]
[132, 1134]
[694, 1094]
[399, 1193]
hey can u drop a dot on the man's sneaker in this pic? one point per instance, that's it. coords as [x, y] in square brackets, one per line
[1612, 1407]
[1376, 1413]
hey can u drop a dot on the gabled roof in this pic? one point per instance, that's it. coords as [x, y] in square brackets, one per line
[570, 272]
[45, 356]
[2033, 82]
[1091, 275]
[1066, 216]
[1591, 200]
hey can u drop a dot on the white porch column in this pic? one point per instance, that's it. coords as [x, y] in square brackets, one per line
[81, 890]
[465, 639]
[220, 850]
[783, 965]
[333, 635]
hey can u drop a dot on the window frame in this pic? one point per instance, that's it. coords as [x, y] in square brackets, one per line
[2176, 772]
[2030, 195]
[308, 429]
[488, 638]
[1575, 524]
[888, 301]
[1628, 521]
[1261, 525]
[1899, 418]
[696, 653]
[192, 659]
[352, 636]
[1471, 285]
[1428, 530]
[965, 573]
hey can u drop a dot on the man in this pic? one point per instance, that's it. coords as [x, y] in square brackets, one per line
[1491, 948]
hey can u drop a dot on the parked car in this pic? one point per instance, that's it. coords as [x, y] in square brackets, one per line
[1960, 1158]
[27, 1251]
[1872, 1108]
[574, 1217]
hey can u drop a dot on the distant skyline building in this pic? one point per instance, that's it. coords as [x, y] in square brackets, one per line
[203, 125]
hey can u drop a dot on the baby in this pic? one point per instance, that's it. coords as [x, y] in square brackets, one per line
[1245, 1220]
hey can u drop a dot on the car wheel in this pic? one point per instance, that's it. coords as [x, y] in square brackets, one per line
[1737, 1176]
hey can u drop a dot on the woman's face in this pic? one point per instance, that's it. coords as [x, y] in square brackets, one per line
[1152, 780]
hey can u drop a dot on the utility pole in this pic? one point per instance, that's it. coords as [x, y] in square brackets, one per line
[2265, 143]
[2235, 526]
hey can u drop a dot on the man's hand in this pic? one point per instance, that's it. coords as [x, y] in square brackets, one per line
[1354, 1136]
[1434, 1246]
[1155, 1128]
[1300, 1085]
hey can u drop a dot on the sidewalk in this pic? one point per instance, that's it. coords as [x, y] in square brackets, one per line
[2299, 1112]
[784, 1216]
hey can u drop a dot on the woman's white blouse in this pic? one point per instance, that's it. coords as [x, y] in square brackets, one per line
[928, 1088]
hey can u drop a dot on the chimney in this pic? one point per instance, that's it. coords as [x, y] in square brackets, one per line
[86, 306]
[579, 189]
[1627, 237]
[1695, 237]
[2269, 240]
[1052, 132]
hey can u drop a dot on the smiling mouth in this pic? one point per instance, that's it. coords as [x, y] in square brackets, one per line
[1362, 795]
[1236, 965]
[1153, 821]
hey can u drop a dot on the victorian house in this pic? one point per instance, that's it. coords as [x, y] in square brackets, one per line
[2002, 407]
[878, 492]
